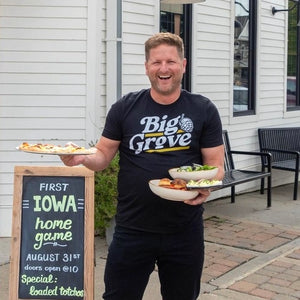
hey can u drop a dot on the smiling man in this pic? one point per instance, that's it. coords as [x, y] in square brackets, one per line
[165, 67]
[154, 130]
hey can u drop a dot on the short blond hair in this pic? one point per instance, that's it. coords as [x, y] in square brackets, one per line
[167, 38]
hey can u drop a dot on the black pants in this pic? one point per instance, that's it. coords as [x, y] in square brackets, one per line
[132, 257]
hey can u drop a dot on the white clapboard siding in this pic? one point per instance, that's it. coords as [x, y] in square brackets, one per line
[52, 34]
[45, 3]
[42, 45]
[272, 65]
[43, 123]
[43, 100]
[42, 67]
[39, 22]
[39, 135]
[45, 56]
[6, 220]
[42, 89]
[33, 78]
[139, 23]
[42, 11]
[41, 112]
[43, 81]
[211, 51]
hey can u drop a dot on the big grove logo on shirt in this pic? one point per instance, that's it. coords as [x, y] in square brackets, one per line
[163, 134]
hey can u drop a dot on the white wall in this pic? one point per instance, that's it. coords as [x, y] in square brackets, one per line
[43, 83]
[140, 21]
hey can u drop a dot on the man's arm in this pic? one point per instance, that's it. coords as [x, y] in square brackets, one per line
[106, 150]
[213, 157]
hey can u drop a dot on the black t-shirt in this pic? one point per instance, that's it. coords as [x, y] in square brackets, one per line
[155, 138]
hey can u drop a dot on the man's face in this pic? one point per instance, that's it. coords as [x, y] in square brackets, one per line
[165, 69]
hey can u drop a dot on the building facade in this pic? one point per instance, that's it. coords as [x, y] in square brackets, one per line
[63, 63]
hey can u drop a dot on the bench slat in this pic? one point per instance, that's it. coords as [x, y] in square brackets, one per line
[284, 145]
[235, 176]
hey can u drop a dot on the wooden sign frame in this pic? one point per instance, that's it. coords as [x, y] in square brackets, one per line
[62, 171]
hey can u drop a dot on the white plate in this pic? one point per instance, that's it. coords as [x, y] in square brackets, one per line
[193, 175]
[84, 152]
[171, 194]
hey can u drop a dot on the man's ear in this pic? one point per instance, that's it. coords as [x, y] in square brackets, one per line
[184, 62]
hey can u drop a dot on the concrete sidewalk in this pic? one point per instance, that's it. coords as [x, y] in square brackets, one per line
[251, 252]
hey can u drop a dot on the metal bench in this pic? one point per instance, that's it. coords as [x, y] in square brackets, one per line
[235, 176]
[284, 145]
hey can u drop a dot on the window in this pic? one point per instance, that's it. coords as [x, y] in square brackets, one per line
[293, 64]
[176, 18]
[244, 58]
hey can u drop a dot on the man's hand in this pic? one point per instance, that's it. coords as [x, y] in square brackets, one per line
[72, 160]
[201, 198]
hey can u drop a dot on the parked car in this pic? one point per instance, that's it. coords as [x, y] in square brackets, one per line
[291, 91]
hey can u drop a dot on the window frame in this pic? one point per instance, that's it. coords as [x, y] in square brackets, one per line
[298, 59]
[297, 106]
[252, 58]
[187, 39]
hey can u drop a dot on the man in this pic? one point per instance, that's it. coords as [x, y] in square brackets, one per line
[154, 130]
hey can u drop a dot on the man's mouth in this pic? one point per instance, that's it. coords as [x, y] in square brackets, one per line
[164, 77]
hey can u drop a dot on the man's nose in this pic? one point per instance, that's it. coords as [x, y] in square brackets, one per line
[164, 66]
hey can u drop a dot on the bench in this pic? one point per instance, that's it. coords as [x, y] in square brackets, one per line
[284, 145]
[235, 176]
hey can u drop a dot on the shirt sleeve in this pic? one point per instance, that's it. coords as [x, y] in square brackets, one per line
[212, 131]
[112, 128]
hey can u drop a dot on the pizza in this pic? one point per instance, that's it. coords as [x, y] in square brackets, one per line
[176, 184]
[70, 148]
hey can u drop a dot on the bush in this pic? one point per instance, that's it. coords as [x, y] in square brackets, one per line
[106, 196]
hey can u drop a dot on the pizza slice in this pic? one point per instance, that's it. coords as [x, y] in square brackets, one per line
[70, 148]
[176, 184]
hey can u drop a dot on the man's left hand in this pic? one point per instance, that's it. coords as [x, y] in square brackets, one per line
[201, 198]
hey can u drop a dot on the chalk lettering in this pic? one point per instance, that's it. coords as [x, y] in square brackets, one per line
[71, 292]
[53, 224]
[42, 237]
[42, 257]
[43, 292]
[52, 269]
[50, 203]
[37, 279]
[33, 268]
[53, 187]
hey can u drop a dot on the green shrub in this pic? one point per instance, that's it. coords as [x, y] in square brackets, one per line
[106, 196]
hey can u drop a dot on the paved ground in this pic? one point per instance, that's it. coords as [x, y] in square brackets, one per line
[251, 252]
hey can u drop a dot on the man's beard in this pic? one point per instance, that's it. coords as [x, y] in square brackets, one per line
[171, 88]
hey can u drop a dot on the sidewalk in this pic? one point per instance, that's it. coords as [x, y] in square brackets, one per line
[251, 252]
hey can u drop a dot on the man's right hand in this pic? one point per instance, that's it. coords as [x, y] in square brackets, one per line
[72, 160]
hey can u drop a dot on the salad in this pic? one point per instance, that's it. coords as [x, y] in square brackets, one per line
[195, 167]
[203, 183]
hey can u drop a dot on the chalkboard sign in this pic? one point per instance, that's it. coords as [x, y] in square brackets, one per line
[53, 234]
